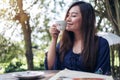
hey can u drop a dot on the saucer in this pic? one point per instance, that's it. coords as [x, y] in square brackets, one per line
[29, 75]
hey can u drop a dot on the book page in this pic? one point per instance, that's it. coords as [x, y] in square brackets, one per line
[78, 75]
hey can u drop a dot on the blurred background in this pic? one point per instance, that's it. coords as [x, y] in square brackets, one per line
[24, 35]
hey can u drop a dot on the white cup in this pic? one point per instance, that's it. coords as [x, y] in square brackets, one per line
[61, 25]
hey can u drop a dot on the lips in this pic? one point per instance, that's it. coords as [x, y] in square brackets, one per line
[69, 24]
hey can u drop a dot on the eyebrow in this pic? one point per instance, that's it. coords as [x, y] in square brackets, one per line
[75, 12]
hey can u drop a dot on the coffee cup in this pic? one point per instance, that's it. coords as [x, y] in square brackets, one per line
[61, 25]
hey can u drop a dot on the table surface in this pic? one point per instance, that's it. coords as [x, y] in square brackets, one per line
[47, 74]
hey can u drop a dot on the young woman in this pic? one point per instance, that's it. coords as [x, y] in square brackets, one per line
[79, 48]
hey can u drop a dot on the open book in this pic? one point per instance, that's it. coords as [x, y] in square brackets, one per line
[78, 75]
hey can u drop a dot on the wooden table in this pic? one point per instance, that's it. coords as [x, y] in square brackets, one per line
[45, 76]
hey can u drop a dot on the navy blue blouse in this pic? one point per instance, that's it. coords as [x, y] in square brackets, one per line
[74, 61]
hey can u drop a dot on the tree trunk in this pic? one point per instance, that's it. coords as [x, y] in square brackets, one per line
[24, 20]
[113, 11]
[28, 46]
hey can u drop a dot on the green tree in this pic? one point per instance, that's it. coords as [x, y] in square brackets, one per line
[8, 51]
[110, 10]
[15, 6]
[23, 18]
[34, 27]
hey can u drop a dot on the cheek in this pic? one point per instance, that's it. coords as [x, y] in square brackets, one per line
[77, 22]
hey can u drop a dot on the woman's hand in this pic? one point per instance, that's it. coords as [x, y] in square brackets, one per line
[54, 32]
[51, 55]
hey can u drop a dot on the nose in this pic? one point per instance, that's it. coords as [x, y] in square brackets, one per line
[68, 19]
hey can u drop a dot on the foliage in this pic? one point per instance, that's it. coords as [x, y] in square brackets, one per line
[110, 10]
[20, 65]
[8, 50]
[34, 14]
[14, 67]
[113, 11]
[40, 13]
[40, 67]
[39, 57]
[115, 61]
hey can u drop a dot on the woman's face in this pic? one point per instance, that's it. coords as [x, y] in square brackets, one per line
[74, 19]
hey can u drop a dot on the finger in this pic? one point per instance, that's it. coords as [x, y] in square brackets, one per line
[54, 29]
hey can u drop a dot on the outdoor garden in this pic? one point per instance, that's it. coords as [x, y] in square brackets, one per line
[24, 31]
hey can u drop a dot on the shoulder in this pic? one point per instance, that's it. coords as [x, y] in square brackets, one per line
[103, 49]
[103, 46]
[102, 41]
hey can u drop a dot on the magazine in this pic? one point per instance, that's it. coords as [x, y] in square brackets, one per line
[67, 78]
[78, 75]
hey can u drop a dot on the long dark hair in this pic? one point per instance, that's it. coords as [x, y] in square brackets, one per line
[89, 40]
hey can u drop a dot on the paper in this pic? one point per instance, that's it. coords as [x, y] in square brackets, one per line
[78, 75]
[80, 79]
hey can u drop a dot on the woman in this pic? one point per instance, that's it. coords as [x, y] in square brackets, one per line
[79, 48]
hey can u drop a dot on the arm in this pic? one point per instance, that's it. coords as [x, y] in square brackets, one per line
[51, 55]
[103, 59]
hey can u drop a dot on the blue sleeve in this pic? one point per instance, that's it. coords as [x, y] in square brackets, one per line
[57, 63]
[103, 59]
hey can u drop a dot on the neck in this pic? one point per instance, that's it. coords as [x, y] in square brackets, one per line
[78, 36]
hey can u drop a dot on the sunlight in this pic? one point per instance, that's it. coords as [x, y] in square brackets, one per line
[4, 5]
[15, 33]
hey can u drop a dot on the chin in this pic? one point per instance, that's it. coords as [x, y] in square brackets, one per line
[68, 29]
